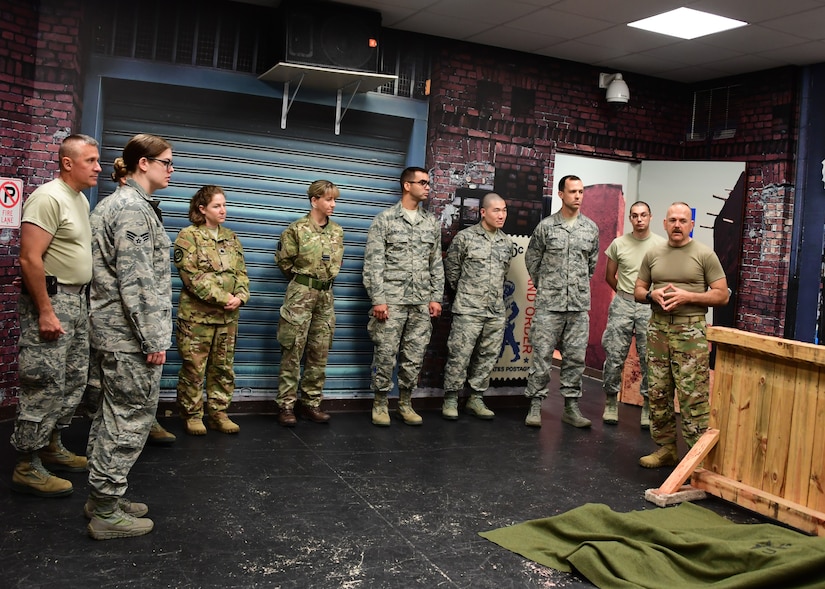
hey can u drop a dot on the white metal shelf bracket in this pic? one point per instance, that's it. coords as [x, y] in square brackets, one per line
[288, 100]
[339, 113]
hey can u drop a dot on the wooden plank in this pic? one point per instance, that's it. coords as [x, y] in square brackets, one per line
[720, 402]
[760, 423]
[748, 388]
[803, 429]
[816, 484]
[689, 463]
[779, 429]
[798, 516]
[773, 346]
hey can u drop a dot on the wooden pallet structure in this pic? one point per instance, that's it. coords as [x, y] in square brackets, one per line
[765, 447]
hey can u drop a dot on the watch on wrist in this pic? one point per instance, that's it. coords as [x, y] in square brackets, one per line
[649, 297]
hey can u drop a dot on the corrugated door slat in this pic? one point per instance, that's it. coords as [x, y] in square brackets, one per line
[236, 141]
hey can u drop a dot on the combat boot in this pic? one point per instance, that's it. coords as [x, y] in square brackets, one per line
[194, 426]
[158, 436]
[611, 410]
[449, 409]
[533, 418]
[109, 521]
[132, 508]
[405, 409]
[645, 421]
[572, 415]
[220, 421]
[30, 476]
[665, 456]
[380, 410]
[475, 405]
[57, 458]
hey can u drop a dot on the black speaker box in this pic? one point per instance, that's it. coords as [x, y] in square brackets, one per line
[330, 34]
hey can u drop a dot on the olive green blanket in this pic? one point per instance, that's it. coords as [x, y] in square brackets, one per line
[672, 548]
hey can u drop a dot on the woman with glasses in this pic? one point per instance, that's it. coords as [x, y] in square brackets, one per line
[131, 328]
[210, 262]
[310, 252]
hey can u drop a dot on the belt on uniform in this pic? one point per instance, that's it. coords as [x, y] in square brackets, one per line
[677, 319]
[313, 282]
[76, 289]
[626, 296]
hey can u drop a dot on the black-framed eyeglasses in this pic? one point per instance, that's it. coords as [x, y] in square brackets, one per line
[419, 182]
[167, 163]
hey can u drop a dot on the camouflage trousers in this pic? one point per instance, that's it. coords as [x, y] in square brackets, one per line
[403, 337]
[130, 390]
[624, 320]
[678, 360]
[473, 348]
[207, 353]
[52, 373]
[305, 330]
[566, 331]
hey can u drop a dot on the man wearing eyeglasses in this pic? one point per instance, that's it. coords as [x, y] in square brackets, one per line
[404, 278]
[626, 318]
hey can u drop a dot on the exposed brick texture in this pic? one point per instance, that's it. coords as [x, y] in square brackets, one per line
[40, 80]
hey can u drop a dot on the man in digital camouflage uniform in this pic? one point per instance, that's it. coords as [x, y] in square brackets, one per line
[404, 278]
[310, 253]
[56, 264]
[561, 258]
[680, 280]
[625, 317]
[475, 268]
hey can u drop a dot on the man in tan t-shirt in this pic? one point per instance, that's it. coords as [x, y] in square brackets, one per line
[680, 280]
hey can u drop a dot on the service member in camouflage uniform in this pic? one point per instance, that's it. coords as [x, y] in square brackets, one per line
[210, 262]
[131, 327]
[404, 278]
[55, 247]
[680, 279]
[561, 258]
[475, 268]
[625, 317]
[310, 252]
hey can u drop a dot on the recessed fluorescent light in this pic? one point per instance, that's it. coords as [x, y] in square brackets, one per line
[687, 23]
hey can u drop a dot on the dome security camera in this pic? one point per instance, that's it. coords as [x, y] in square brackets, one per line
[617, 91]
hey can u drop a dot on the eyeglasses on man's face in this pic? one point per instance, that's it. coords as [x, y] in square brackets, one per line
[167, 163]
[420, 182]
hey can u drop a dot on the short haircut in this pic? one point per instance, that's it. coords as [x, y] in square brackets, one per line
[490, 196]
[564, 180]
[409, 173]
[201, 199]
[71, 145]
[640, 203]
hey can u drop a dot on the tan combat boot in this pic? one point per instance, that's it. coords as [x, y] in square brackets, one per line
[30, 476]
[109, 521]
[158, 436]
[380, 410]
[572, 415]
[194, 426]
[57, 458]
[533, 418]
[132, 508]
[611, 409]
[665, 456]
[405, 409]
[645, 420]
[449, 408]
[220, 421]
[475, 405]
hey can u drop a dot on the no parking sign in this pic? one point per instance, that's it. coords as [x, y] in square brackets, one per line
[11, 202]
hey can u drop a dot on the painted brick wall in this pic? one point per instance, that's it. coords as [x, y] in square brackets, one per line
[39, 85]
[471, 131]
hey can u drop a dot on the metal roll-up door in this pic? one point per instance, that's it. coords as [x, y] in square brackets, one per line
[235, 141]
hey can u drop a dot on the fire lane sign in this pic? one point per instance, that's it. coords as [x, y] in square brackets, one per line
[11, 203]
